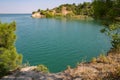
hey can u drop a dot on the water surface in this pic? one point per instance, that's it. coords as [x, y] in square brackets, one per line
[57, 43]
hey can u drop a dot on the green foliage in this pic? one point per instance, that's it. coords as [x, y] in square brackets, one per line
[38, 10]
[9, 58]
[49, 14]
[99, 8]
[42, 68]
[69, 15]
[106, 9]
[3, 69]
[103, 58]
[33, 12]
[72, 9]
[80, 9]
[42, 12]
[7, 36]
[58, 15]
[94, 60]
[109, 9]
[84, 9]
[113, 31]
[58, 10]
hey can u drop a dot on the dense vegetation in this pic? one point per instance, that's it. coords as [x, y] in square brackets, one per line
[109, 12]
[9, 58]
[109, 9]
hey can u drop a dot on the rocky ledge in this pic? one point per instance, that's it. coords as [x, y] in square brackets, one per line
[101, 68]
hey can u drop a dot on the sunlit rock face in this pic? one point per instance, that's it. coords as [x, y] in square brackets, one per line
[37, 15]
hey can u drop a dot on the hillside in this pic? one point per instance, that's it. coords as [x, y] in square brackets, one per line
[65, 10]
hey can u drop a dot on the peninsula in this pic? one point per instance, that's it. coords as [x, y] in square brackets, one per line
[66, 10]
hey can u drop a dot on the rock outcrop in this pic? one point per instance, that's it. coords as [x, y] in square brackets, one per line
[37, 15]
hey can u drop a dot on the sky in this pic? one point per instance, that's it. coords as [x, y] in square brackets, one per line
[28, 6]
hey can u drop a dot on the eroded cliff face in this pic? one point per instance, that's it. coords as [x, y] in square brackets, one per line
[101, 68]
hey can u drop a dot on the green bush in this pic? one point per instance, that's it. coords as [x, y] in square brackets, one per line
[33, 12]
[3, 69]
[103, 58]
[49, 15]
[42, 68]
[94, 60]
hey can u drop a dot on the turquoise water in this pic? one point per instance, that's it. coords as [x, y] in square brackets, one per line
[57, 43]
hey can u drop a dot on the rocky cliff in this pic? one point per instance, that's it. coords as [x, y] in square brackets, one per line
[37, 15]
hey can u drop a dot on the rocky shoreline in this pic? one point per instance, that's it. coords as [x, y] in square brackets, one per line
[101, 68]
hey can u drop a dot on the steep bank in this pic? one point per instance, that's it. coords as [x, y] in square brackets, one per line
[101, 68]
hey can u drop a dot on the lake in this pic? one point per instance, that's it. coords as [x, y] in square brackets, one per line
[57, 43]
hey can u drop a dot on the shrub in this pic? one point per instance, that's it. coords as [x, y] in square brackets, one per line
[94, 60]
[3, 69]
[42, 68]
[33, 12]
[103, 58]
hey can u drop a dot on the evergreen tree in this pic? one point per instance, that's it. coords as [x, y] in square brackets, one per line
[9, 58]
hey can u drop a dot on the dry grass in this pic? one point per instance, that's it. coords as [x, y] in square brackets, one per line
[101, 68]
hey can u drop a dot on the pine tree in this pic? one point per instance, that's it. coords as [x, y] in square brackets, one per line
[9, 58]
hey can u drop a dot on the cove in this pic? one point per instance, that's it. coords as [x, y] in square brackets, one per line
[57, 43]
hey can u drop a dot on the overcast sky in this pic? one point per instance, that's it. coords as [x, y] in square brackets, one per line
[27, 6]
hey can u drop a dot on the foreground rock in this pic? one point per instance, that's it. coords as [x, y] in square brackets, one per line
[101, 68]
